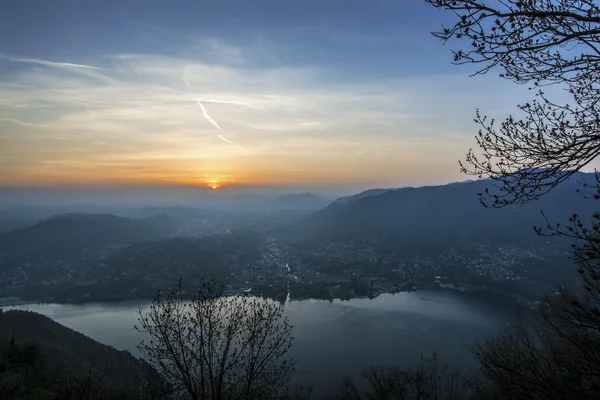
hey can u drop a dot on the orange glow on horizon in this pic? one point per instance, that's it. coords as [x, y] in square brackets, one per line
[216, 175]
[214, 184]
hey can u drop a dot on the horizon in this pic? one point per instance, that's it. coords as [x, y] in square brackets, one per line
[173, 195]
[304, 199]
[235, 95]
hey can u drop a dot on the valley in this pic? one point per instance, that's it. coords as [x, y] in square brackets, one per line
[339, 252]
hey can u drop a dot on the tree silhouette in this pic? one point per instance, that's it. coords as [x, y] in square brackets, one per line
[431, 380]
[556, 358]
[215, 347]
[539, 43]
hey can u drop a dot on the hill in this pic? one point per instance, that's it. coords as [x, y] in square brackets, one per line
[132, 271]
[361, 195]
[66, 234]
[447, 214]
[165, 261]
[64, 348]
[7, 225]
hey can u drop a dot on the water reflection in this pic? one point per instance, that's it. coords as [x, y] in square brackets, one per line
[339, 338]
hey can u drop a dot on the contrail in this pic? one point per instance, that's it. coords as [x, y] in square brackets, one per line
[208, 117]
[212, 121]
[236, 145]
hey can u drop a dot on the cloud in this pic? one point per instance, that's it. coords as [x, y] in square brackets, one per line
[185, 81]
[80, 69]
[294, 117]
[48, 63]
[28, 124]
[315, 123]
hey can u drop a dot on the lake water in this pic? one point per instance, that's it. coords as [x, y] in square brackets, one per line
[340, 338]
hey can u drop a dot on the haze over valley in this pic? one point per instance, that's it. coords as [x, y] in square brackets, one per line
[103, 260]
[291, 245]
[285, 200]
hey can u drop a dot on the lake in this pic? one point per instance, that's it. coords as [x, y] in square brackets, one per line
[340, 338]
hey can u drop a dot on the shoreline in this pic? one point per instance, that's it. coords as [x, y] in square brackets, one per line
[13, 301]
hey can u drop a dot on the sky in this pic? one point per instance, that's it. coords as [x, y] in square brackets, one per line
[250, 94]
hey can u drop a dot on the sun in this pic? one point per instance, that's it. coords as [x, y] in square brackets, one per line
[213, 184]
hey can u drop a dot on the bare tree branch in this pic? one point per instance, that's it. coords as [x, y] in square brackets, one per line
[215, 347]
[538, 42]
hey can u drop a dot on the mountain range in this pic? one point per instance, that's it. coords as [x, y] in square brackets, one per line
[204, 200]
[257, 202]
[449, 213]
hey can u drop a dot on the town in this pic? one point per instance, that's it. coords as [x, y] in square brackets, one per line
[258, 257]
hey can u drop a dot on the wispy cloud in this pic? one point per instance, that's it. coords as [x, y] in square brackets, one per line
[28, 124]
[185, 80]
[47, 63]
[89, 71]
[299, 119]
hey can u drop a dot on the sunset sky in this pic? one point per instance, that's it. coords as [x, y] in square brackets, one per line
[312, 94]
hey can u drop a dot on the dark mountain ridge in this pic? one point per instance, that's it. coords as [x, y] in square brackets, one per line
[449, 213]
[366, 193]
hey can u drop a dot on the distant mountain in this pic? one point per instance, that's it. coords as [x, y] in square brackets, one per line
[65, 348]
[300, 201]
[256, 202]
[366, 193]
[245, 198]
[449, 213]
[7, 225]
[180, 213]
[72, 232]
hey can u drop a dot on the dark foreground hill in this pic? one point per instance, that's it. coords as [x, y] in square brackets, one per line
[71, 351]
